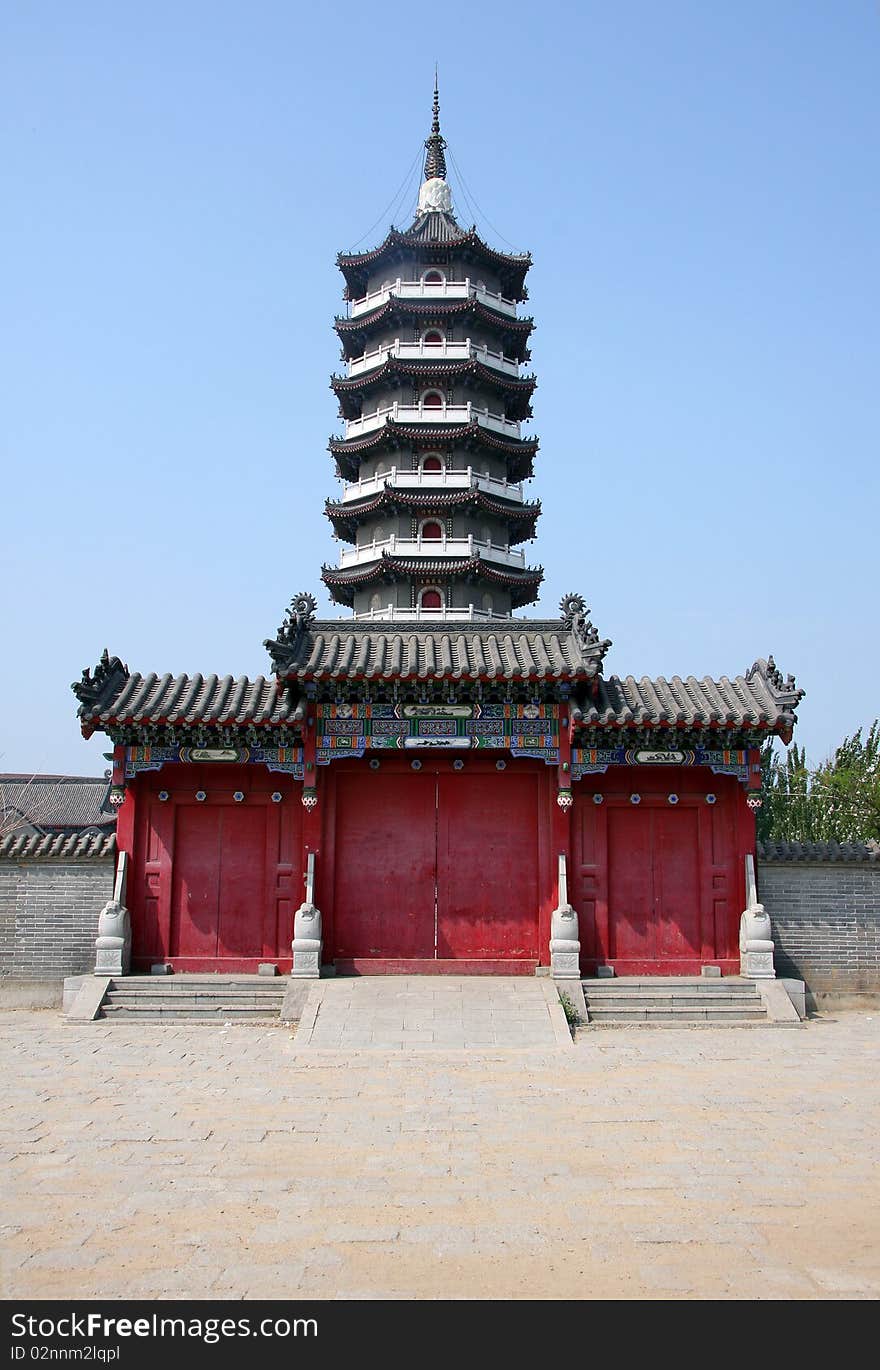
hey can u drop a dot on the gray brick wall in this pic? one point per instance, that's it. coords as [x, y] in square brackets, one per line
[826, 922]
[49, 916]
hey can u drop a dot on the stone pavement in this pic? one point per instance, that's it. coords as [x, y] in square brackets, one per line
[433, 1011]
[177, 1161]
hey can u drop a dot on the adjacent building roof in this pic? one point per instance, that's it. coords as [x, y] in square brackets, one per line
[41, 804]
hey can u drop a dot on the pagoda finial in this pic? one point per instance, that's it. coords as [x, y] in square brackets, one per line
[435, 162]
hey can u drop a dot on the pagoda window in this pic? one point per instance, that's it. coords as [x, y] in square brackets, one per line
[431, 531]
[375, 603]
[488, 604]
[433, 277]
[432, 400]
[433, 462]
[431, 599]
[433, 338]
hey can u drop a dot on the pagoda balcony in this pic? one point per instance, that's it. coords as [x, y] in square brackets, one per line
[432, 480]
[431, 290]
[425, 351]
[392, 613]
[431, 547]
[421, 413]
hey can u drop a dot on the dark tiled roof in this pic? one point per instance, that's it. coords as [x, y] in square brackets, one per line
[756, 699]
[441, 229]
[523, 584]
[773, 852]
[505, 650]
[187, 699]
[428, 371]
[70, 847]
[51, 802]
[352, 332]
[520, 452]
[347, 515]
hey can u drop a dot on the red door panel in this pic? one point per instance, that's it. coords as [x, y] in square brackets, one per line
[677, 882]
[630, 893]
[195, 881]
[384, 868]
[242, 861]
[487, 866]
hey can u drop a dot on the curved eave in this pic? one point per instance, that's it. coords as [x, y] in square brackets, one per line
[357, 266]
[517, 388]
[191, 701]
[352, 331]
[346, 517]
[718, 706]
[523, 585]
[421, 435]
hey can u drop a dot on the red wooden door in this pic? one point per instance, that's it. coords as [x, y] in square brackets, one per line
[487, 866]
[385, 863]
[653, 884]
[436, 864]
[218, 882]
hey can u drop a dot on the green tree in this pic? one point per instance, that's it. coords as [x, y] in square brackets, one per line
[838, 801]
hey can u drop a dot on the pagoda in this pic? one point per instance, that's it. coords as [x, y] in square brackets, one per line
[432, 512]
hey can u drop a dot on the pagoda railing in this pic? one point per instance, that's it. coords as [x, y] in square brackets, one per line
[421, 350]
[431, 480]
[392, 613]
[431, 290]
[424, 413]
[431, 547]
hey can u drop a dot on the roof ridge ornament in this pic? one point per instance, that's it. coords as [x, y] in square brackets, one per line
[575, 617]
[109, 669]
[782, 688]
[298, 621]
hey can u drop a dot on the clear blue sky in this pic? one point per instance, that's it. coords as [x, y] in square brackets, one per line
[698, 184]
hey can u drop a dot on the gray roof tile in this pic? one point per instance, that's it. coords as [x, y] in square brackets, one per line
[772, 852]
[63, 847]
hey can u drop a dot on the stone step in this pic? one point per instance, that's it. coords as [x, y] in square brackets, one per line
[654, 986]
[186, 1012]
[735, 1001]
[205, 992]
[666, 991]
[220, 1005]
[721, 1013]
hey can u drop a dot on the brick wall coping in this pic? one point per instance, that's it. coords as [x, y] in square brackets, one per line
[849, 852]
[60, 847]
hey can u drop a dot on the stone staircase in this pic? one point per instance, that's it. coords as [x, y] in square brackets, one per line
[194, 999]
[679, 1001]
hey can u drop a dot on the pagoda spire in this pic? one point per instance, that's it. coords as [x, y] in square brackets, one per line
[435, 161]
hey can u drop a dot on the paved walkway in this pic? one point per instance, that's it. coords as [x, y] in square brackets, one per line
[177, 1161]
[440, 1012]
